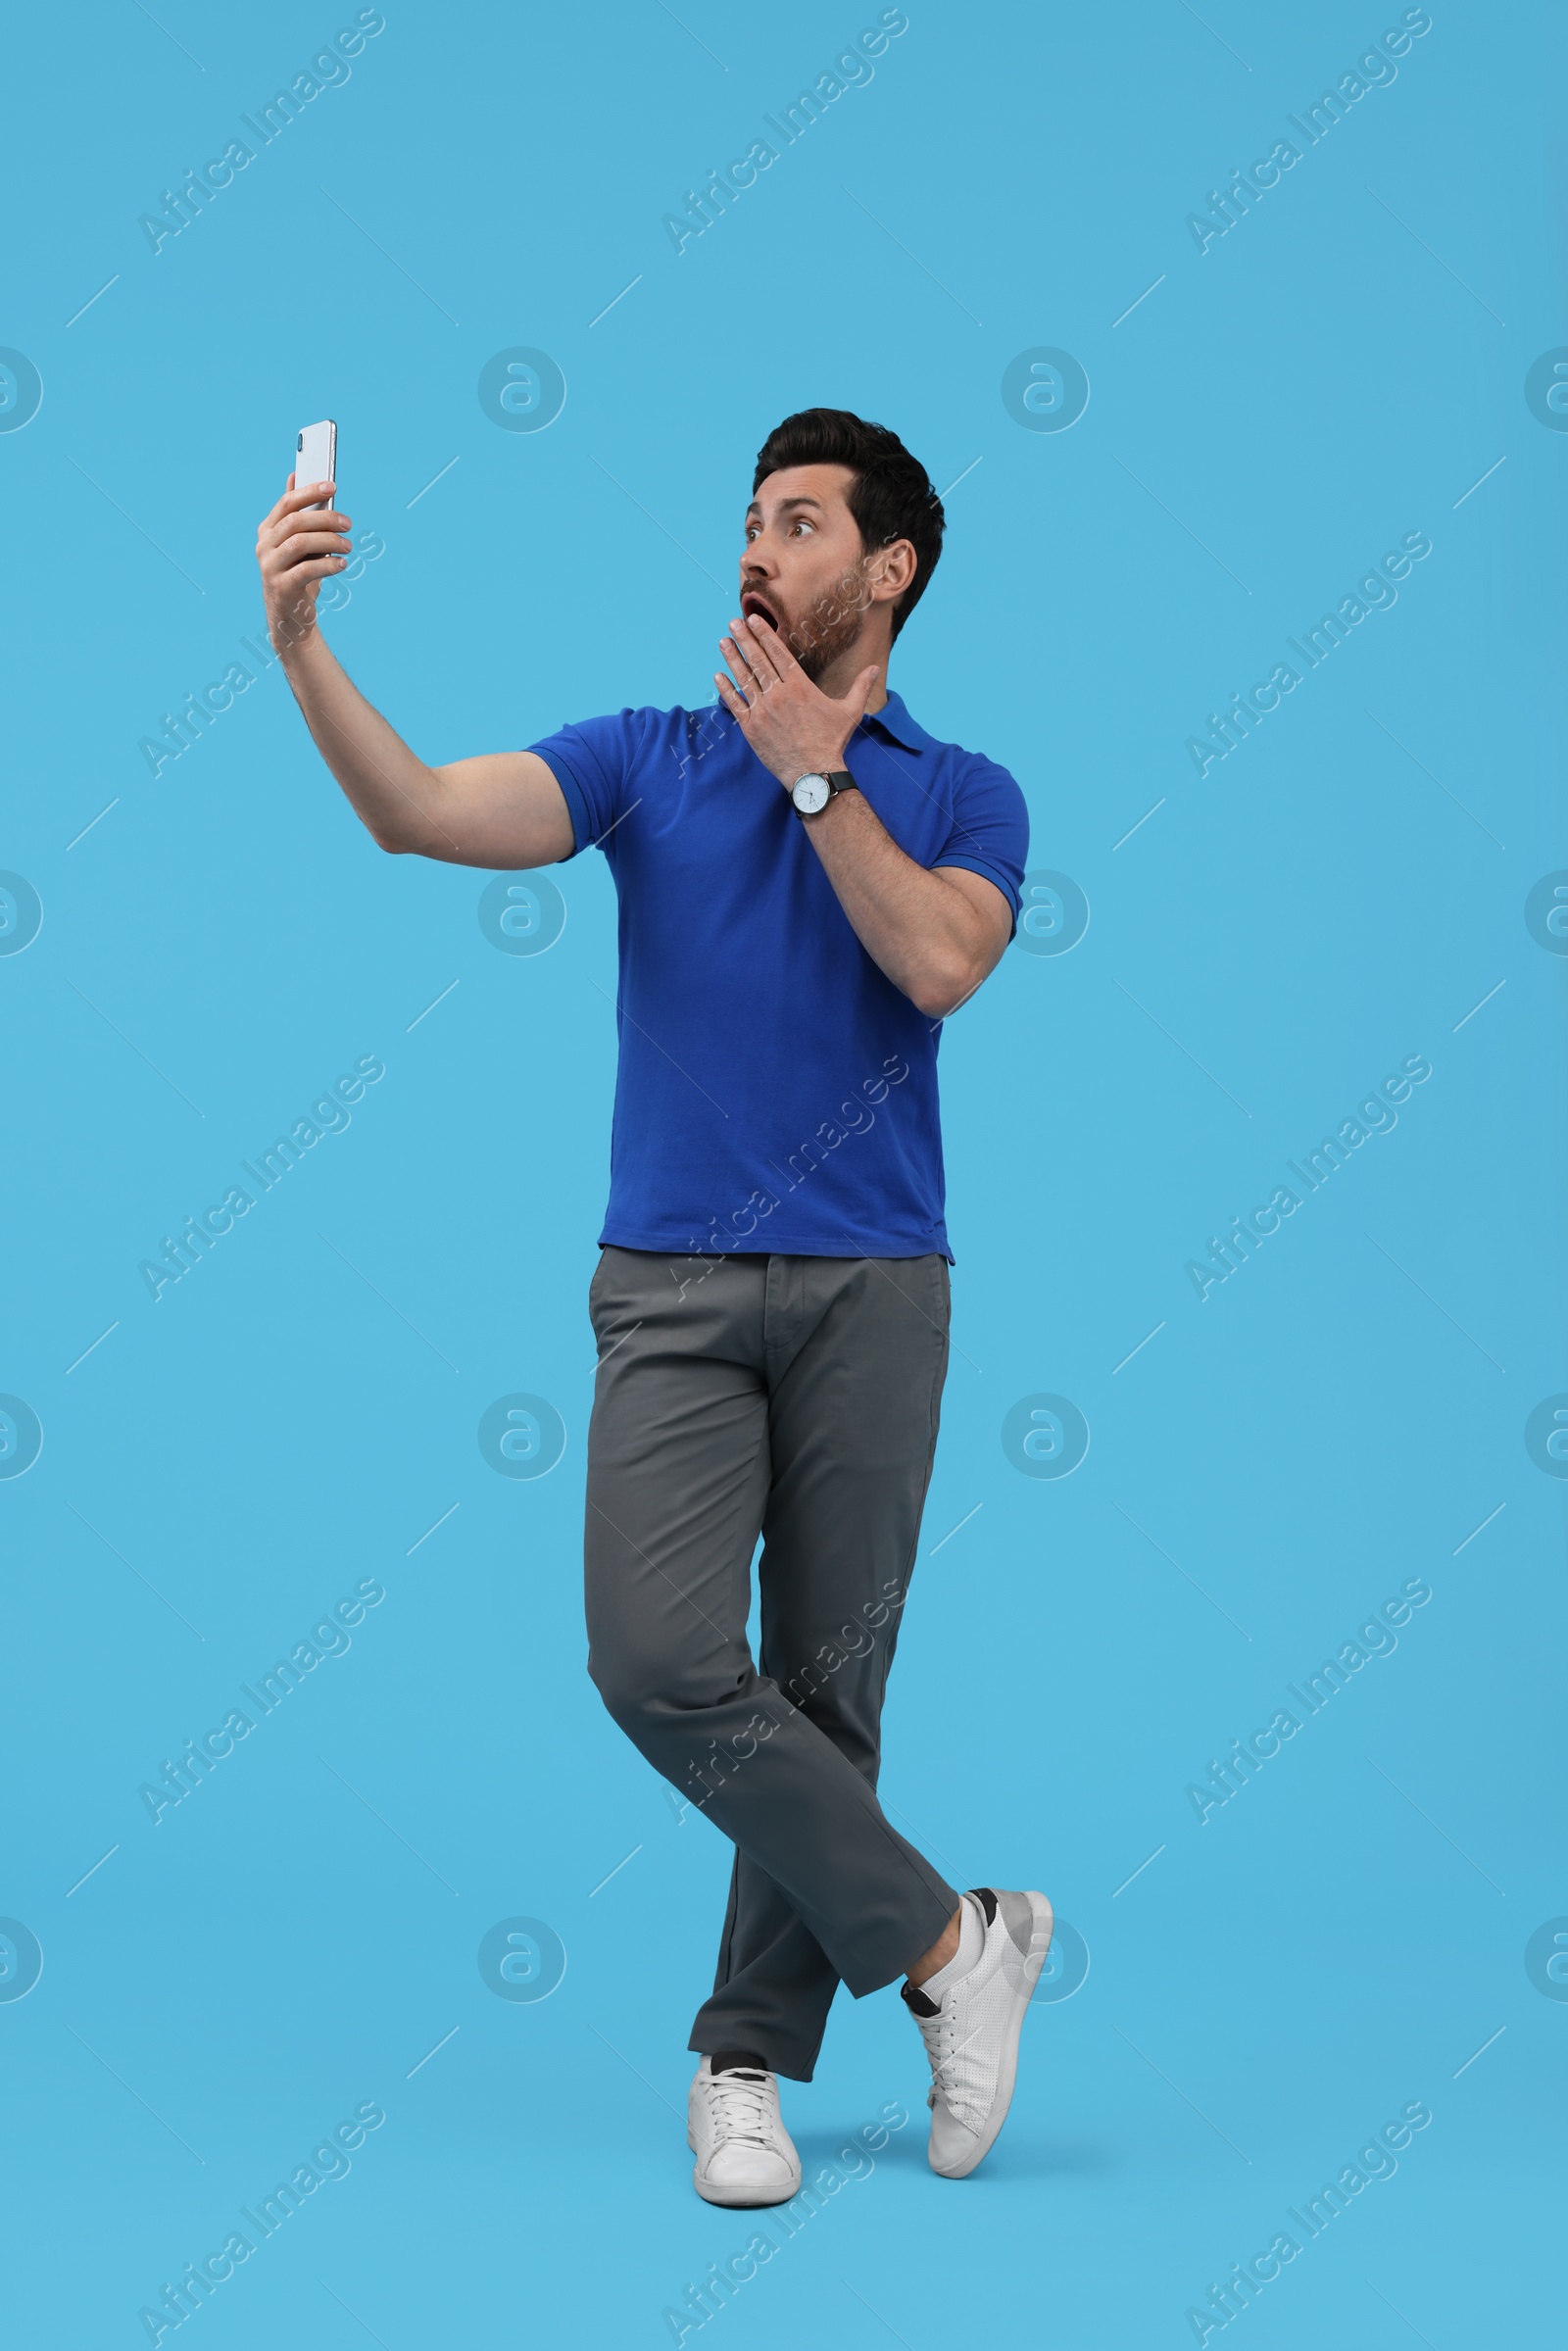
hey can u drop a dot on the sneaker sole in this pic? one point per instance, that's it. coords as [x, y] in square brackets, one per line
[1033, 1961]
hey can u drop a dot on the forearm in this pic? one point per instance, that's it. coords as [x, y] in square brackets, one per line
[397, 797]
[501, 809]
[935, 934]
[917, 926]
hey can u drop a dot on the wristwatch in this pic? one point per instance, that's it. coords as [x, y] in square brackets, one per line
[811, 792]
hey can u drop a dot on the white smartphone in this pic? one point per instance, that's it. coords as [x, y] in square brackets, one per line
[315, 458]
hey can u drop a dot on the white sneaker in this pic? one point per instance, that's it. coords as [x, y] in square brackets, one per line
[971, 2028]
[734, 2128]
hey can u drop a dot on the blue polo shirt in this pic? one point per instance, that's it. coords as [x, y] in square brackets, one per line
[775, 1091]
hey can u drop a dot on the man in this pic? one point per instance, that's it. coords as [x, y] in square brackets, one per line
[809, 884]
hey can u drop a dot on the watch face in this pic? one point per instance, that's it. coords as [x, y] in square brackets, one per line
[810, 793]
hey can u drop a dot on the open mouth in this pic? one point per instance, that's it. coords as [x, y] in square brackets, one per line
[752, 606]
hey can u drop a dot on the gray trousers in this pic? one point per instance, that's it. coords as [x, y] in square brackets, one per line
[796, 1399]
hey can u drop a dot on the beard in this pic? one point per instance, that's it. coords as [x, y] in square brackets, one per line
[831, 624]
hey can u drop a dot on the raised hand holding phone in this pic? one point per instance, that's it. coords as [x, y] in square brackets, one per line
[304, 539]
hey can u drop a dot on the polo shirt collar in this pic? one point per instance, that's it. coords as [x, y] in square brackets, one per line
[895, 721]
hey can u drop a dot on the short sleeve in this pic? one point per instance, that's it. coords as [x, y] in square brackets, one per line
[989, 829]
[591, 761]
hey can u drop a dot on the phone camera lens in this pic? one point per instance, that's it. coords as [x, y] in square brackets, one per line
[299, 443]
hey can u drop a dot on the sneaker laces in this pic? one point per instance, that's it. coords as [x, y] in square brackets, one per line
[961, 2086]
[741, 2106]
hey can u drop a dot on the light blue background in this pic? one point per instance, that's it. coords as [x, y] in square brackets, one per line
[1336, 1418]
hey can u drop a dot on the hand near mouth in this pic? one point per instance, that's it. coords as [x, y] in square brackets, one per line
[792, 726]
